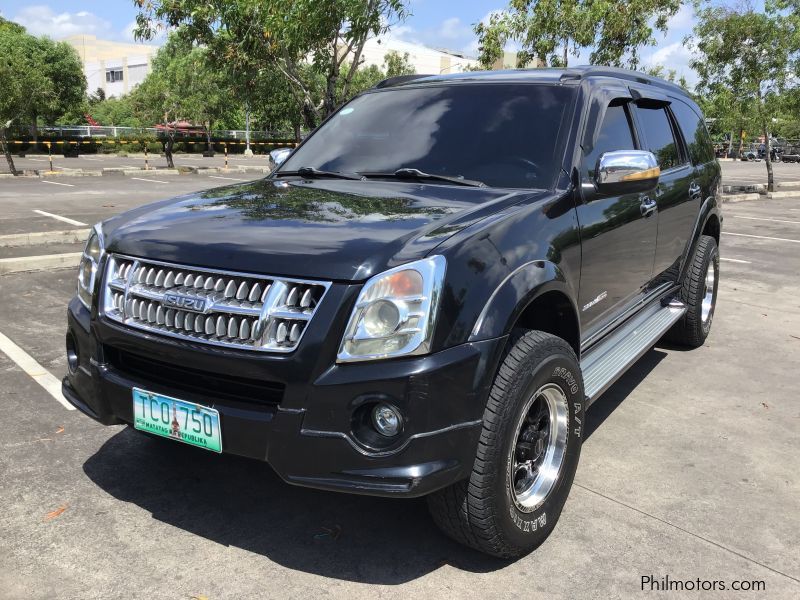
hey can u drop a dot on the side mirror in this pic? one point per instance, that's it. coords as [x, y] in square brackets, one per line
[279, 156]
[626, 171]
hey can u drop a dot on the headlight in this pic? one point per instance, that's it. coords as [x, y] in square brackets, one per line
[89, 266]
[395, 312]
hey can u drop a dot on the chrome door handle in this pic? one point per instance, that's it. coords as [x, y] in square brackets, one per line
[648, 206]
[694, 191]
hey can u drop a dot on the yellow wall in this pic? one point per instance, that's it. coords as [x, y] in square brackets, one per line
[90, 49]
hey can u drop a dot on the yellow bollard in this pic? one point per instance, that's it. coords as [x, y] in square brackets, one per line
[226, 156]
[50, 156]
[146, 167]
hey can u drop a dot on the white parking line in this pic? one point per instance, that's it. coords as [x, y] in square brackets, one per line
[60, 218]
[150, 180]
[91, 159]
[36, 371]
[764, 219]
[57, 183]
[761, 237]
[228, 178]
[735, 260]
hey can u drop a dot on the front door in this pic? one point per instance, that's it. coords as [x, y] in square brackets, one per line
[618, 233]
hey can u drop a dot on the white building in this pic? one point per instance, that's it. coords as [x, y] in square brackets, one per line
[424, 60]
[113, 67]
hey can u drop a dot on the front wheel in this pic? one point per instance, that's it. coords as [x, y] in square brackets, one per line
[527, 454]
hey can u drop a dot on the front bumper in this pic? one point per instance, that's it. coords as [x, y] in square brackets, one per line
[307, 436]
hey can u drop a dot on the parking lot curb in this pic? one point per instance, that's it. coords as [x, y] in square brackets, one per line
[788, 185]
[38, 263]
[151, 171]
[740, 197]
[70, 236]
[10, 176]
[71, 173]
[746, 189]
[788, 194]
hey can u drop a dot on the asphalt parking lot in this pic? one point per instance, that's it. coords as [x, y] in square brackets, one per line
[135, 161]
[690, 468]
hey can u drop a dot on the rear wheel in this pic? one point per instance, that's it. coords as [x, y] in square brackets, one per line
[699, 294]
[527, 453]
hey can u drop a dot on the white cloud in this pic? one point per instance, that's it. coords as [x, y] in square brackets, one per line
[453, 29]
[42, 20]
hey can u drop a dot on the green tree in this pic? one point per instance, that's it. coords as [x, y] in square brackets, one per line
[183, 85]
[248, 35]
[39, 78]
[62, 66]
[752, 53]
[396, 65]
[117, 112]
[548, 31]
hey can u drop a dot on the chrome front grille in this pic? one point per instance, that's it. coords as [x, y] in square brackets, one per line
[235, 310]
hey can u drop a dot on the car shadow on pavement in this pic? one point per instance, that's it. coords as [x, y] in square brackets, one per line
[622, 388]
[243, 503]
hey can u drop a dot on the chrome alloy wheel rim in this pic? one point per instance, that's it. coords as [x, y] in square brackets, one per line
[539, 447]
[707, 306]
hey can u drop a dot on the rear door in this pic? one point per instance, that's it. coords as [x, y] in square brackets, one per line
[678, 194]
[618, 238]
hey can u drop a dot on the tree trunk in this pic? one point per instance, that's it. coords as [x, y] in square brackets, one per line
[7, 151]
[768, 160]
[566, 48]
[297, 133]
[741, 143]
[729, 154]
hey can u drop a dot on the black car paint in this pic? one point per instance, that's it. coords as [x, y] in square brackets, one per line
[504, 248]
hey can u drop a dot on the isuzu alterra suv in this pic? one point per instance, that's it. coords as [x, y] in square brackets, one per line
[423, 299]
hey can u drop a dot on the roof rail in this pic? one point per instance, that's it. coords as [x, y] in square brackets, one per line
[392, 81]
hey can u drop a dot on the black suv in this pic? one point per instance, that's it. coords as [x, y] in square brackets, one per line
[423, 299]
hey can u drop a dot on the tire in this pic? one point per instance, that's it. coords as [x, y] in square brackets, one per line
[694, 327]
[483, 511]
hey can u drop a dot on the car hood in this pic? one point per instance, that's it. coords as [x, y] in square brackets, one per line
[319, 229]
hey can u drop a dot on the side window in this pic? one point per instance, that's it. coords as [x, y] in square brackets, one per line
[659, 138]
[615, 134]
[701, 150]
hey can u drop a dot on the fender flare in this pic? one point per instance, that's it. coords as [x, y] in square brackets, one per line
[515, 293]
[710, 208]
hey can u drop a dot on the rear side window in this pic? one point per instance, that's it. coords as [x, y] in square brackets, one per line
[615, 134]
[701, 150]
[659, 138]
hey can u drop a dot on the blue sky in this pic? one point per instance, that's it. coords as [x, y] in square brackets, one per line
[437, 23]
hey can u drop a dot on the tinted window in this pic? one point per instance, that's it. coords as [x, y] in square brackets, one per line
[503, 135]
[658, 137]
[701, 150]
[615, 134]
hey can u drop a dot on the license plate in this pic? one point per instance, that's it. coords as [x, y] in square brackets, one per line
[179, 420]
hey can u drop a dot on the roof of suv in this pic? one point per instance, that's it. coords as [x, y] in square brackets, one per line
[544, 75]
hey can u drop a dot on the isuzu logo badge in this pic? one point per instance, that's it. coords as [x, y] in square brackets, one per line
[192, 303]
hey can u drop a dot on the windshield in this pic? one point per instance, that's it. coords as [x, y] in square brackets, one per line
[501, 135]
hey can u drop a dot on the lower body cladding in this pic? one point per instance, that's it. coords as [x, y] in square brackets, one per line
[318, 431]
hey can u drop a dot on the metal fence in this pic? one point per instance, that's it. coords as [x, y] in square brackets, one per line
[132, 132]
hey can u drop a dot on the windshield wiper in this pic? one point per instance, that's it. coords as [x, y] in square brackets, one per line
[313, 173]
[409, 173]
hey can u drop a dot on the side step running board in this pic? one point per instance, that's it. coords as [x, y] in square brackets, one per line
[603, 364]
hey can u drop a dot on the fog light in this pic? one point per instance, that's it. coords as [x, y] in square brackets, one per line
[387, 420]
[72, 354]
